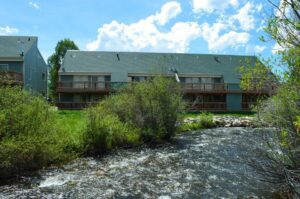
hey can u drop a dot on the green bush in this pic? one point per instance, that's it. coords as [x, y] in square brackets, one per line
[30, 137]
[206, 120]
[105, 131]
[151, 108]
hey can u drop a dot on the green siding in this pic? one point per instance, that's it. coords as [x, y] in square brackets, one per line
[233, 87]
[35, 67]
[234, 102]
[31, 64]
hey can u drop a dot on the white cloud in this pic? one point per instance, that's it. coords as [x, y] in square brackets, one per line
[218, 43]
[145, 35]
[8, 30]
[212, 5]
[34, 5]
[245, 17]
[168, 11]
[259, 49]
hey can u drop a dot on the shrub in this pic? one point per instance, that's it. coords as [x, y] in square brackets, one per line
[105, 131]
[29, 133]
[282, 111]
[150, 108]
[206, 120]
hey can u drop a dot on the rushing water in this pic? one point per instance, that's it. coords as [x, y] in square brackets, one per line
[207, 164]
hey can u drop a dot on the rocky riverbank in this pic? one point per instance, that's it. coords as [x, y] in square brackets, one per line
[228, 121]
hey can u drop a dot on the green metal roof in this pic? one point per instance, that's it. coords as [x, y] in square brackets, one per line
[12, 46]
[143, 62]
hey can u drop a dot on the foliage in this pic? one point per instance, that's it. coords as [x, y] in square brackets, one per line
[56, 60]
[283, 109]
[151, 108]
[191, 126]
[204, 120]
[105, 131]
[30, 136]
[284, 26]
[258, 77]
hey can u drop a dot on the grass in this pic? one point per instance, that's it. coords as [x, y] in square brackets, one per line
[73, 124]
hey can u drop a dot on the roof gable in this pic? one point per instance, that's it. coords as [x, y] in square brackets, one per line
[12, 46]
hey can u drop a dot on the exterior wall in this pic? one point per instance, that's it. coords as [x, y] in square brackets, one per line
[35, 71]
[234, 102]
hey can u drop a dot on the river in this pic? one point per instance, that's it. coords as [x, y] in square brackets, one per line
[211, 163]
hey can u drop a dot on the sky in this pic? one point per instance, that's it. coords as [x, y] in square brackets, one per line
[181, 26]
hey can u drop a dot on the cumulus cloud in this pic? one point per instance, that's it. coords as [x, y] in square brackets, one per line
[212, 5]
[168, 11]
[245, 17]
[34, 5]
[217, 42]
[8, 30]
[145, 35]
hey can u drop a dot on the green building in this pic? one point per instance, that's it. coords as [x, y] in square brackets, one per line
[22, 62]
[209, 82]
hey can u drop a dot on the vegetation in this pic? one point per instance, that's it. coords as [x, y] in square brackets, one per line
[283, 109]
[55, 61]
[30, 135]
[147, 111]
[203, 121]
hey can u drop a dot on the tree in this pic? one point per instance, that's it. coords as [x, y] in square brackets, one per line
[55, 61]
[283, 109]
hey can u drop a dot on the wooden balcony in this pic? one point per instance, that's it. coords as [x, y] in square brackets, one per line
[11, 78]
[207, 106]
[188, 88]
[204, 88]
[84, 87]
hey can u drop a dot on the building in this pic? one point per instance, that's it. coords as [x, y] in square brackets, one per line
[22, 62]
[209, 82]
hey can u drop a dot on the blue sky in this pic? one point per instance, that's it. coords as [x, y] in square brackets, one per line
[183, 26]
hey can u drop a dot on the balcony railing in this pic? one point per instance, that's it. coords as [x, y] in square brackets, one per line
[208, 106]
[11, 77]
[84, 86]
[102, 86]
[204, 87]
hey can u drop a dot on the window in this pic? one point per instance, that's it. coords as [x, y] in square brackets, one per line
[43, 76]
[4, 67]
[139, 78]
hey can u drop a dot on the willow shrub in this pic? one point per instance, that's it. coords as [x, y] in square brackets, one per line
[151, 109]
[30, 137]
